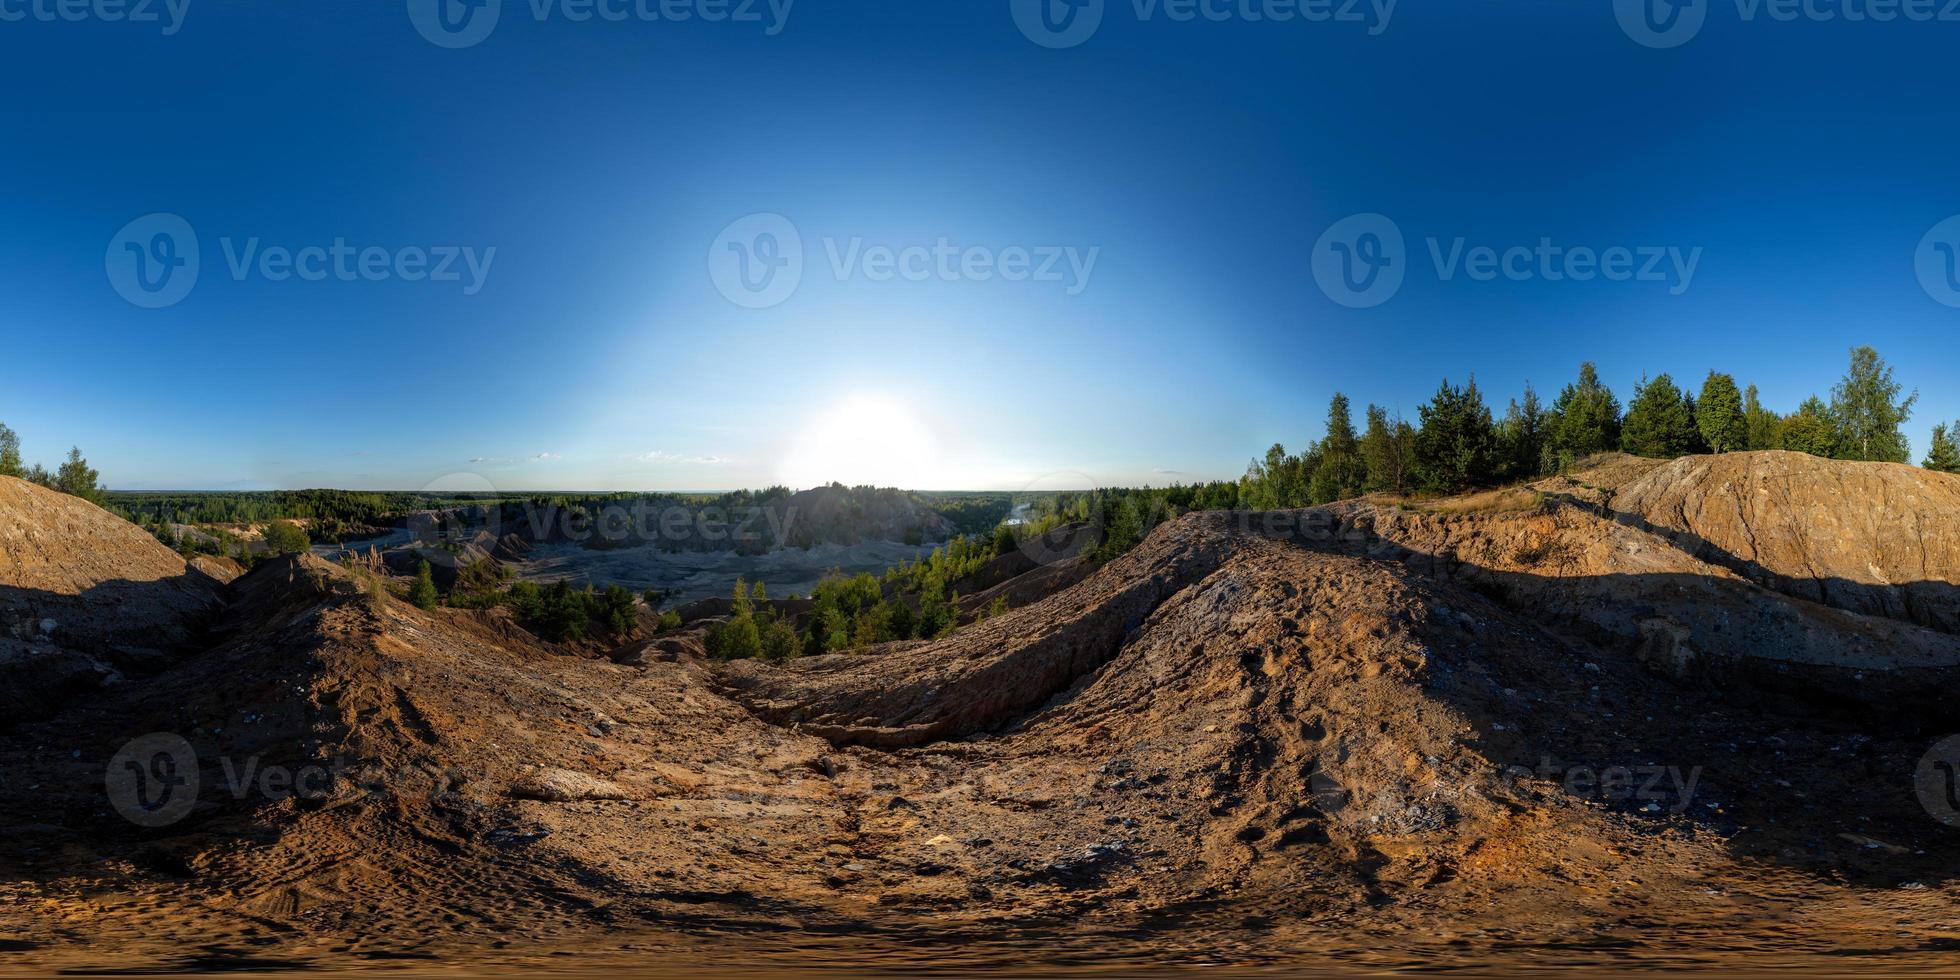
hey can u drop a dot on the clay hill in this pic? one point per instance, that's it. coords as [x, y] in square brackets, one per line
[1649, 714]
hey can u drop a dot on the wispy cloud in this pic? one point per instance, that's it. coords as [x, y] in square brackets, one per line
[657, 456]
[1160, 471]
[501, 460]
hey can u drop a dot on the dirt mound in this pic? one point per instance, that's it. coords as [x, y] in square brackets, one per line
[86, 597]
[1256, 737]
[1876, 538]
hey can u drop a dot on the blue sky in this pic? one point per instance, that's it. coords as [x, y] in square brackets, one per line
[1175, 177]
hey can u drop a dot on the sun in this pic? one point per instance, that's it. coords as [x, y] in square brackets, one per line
[864, 439]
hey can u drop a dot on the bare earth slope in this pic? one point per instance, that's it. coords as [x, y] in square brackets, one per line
[86, 597]
[1878, 538]
[1362, 736]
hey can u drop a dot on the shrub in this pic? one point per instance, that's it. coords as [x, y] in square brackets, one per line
[285, 538]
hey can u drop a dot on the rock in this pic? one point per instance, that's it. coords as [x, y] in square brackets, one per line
[564, 786]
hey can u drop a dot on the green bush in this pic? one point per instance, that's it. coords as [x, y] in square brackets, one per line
[285, 538]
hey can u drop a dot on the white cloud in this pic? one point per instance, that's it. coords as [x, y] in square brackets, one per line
[657, 456]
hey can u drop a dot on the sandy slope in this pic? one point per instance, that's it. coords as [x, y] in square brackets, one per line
[1365, 735]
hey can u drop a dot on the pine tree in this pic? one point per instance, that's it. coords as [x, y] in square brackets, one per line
[1765, 427]
[1386, 451]
[10, 464]
[1340, 427]
[1585, 419]
[424, 594]
[1944, 457]
[1866, 413]
[1659, 423]
[1456, 446]
[1521, 437]
[1720, 415]
[1811, 430]
[1338, 472]
[77, 479]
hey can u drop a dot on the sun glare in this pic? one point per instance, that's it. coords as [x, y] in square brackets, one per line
[865, 439]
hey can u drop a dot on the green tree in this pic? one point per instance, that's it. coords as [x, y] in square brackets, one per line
[737, 639]
[1585, 419]
[1340, 427]
[1387, 451]
[1659, 422]
[10, 464]
[778, 641]
[617, 611]
[423, 593]
[1765, 427]
[1521, 437]
[1945, 454]
[1338, 472]
[77, 479]
[1811, 430]
[1720, 415]
[1866, 409]
[1456, 445]
[564, 613]
[285, 538]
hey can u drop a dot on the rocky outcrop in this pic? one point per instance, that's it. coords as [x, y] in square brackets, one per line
[1875, 538]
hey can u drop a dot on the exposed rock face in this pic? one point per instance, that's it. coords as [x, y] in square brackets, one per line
[87, 597]
[1875, 538]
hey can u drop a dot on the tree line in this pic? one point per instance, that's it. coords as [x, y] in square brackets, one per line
[1457, 443]
[73, 477]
